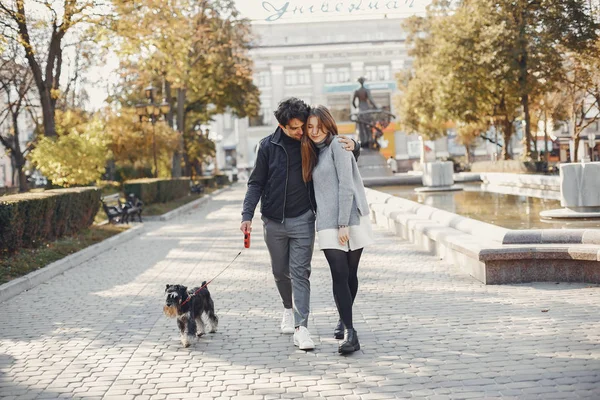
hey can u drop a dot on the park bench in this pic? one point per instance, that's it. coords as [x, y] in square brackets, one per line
[112, 208]
[133, 206]
[118, 212]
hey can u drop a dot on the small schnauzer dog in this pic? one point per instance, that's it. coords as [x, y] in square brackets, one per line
[189, 313]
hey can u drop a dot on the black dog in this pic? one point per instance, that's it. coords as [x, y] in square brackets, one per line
[189, 309]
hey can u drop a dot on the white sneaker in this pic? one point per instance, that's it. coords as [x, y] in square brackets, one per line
[302, 339]
[287, 322]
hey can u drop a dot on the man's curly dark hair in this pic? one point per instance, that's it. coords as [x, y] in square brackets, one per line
[291, 108]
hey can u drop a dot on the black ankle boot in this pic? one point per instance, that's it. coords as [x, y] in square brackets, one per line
[338, 332]
[350, 343]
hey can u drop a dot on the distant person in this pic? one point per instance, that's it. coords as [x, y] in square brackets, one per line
[288, 214]
[391, 162]
[343, 224]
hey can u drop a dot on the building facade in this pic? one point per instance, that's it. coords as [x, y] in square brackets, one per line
[320, 63]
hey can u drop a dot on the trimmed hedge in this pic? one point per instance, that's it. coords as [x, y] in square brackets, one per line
[27, 219]
[157, 190]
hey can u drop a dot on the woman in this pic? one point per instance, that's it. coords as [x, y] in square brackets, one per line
[343, 225]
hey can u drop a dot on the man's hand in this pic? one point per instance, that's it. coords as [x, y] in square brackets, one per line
[246, 226]
[347, 142]
[343, 235]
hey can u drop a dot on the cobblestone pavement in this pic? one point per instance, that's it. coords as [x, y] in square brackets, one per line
[427, 331]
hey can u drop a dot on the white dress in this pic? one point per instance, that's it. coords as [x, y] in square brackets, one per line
[360, 236]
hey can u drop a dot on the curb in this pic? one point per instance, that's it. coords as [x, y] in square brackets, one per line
[185, 208]
[33, 279]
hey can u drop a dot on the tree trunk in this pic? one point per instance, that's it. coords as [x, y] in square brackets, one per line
[23, 186]
[546, 137]
[535, 146]
[177, 155]
[506, 134]
[468, 154]
[528, 138]
[524, 79]
[44, 85]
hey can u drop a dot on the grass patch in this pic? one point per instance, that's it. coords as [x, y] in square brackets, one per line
[27, 260]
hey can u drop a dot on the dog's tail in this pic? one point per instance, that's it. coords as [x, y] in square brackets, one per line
[205, 287]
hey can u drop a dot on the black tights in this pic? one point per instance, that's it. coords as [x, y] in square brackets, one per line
[344, 269]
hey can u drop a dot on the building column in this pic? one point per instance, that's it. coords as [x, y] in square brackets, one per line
[357, 69]
[318, 83]
[277, 85]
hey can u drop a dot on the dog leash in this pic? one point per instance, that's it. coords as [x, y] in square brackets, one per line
[206, 284]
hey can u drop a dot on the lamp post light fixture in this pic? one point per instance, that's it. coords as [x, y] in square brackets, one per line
[152, 112]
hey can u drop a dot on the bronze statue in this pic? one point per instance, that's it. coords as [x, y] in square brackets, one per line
[365, 103]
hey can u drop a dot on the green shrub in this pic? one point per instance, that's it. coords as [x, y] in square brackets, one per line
[28, 219]
[158, 190]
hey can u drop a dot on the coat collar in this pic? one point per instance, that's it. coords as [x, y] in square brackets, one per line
[277, 135]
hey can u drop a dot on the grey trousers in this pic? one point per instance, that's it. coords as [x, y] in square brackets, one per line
[290, 246]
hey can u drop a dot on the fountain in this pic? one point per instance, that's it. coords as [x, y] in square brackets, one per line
[579, 192]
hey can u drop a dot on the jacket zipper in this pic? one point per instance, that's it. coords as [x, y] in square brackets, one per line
[287, 171]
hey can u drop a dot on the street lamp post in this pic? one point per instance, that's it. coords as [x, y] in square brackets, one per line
[592, 144]
[152, 112]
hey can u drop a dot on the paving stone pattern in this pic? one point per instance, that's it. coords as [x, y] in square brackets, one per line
[427, 331]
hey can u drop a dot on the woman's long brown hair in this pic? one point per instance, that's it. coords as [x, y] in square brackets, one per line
[309, 150]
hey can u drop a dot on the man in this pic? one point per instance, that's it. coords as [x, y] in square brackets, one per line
[288, 214]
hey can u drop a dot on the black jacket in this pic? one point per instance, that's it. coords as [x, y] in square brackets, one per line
[268, 181]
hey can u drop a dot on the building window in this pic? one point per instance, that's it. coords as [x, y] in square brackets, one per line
[339, 107]
[343, 74]
[294, 77]
[382, 100]
[337, 75]
[304, 77]
[383, 72]
[264, 114]
[291, 78]
[262, 79]
[227, 121]
[377, 72]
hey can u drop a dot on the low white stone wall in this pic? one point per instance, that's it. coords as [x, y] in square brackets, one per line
[489, 253]
[449, 236]
[541, 182]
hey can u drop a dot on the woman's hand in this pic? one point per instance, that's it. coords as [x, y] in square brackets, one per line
[343, 235]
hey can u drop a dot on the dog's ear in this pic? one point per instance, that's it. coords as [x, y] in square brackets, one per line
[167, 288]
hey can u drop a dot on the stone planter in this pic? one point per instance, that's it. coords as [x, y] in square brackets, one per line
[438, 177]
[579, 191]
